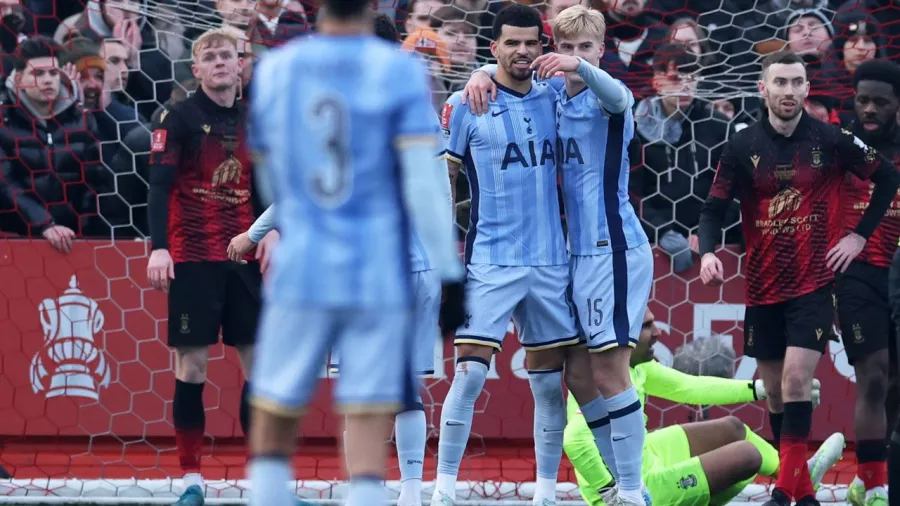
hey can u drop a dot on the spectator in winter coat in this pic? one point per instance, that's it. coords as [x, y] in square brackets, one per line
[50, 171]
[681, 138]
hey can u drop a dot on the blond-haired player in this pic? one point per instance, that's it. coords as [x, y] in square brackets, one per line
[610, 258]
[201, 195]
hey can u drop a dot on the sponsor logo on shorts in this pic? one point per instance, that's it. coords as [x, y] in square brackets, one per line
[686, 482]
[819, 334]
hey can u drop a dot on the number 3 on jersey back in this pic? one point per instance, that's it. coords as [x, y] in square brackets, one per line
[331, 183]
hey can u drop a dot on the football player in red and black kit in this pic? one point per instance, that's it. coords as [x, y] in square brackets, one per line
[788, 171]
[202, 195]
[861, 293]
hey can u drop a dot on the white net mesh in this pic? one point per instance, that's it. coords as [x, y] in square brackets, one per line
[85, 378]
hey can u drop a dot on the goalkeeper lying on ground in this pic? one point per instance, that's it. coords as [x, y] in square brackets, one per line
[699, 463]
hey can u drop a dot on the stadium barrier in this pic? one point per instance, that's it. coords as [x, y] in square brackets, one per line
[86, 382]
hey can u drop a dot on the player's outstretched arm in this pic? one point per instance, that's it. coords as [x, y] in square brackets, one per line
[481, 87]
[713, 213]
[614, 95]
[676, 386]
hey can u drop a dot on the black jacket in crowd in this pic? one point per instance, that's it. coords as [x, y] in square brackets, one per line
[675, 179]
[50, 170]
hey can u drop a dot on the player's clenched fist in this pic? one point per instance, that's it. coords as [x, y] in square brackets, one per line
[160, 269]
[239, 246]
[711, 270]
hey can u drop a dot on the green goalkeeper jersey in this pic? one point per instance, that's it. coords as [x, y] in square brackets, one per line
[656, 380]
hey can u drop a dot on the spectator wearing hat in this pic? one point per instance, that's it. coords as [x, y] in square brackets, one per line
[767, 18]
[425, 41]
[857, 39]
[98, 86]
[809, 33]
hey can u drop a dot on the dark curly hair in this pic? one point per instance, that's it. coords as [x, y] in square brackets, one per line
[36, 47]
[520, 16]
[882, 71]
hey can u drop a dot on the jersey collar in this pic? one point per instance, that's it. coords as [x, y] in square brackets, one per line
[510, 90]
[801, 132]
[207, 103]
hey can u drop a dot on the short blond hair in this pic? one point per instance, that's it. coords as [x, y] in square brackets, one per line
[577, 21]
[214, 38]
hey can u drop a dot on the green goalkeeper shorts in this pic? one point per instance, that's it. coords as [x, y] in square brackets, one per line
[672, 476]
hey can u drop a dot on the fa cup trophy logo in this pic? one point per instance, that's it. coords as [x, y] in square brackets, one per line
[75, 366]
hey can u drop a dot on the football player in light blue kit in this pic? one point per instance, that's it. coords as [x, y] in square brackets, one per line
[610, 256]
[340, 276]
[410, 425]
[515, 251]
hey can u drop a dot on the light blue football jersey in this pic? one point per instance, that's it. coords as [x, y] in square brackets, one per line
[326, 116]
[509, 155]
[595, 167]
[418, 255]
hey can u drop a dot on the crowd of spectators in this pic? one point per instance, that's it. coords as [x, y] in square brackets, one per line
[83, 81]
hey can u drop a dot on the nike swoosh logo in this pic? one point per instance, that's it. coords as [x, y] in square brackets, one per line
[620, 438]
[552, 430]
[454, 424]
[498, 113]
[595, 334]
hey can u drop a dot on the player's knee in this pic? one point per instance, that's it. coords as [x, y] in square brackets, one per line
[611, 371]
[190, 364]
[734, 428]
[796, 385]
[872, 379]
[749, 457]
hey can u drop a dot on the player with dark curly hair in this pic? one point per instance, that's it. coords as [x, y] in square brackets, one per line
[861, 293]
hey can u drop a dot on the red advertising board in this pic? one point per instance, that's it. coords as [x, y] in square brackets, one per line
[82, 344]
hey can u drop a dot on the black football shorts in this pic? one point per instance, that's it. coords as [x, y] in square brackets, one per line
[205, 297]
[863, 312]
[802, 322]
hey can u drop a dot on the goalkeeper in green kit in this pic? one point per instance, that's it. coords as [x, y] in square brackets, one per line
[693, 464]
